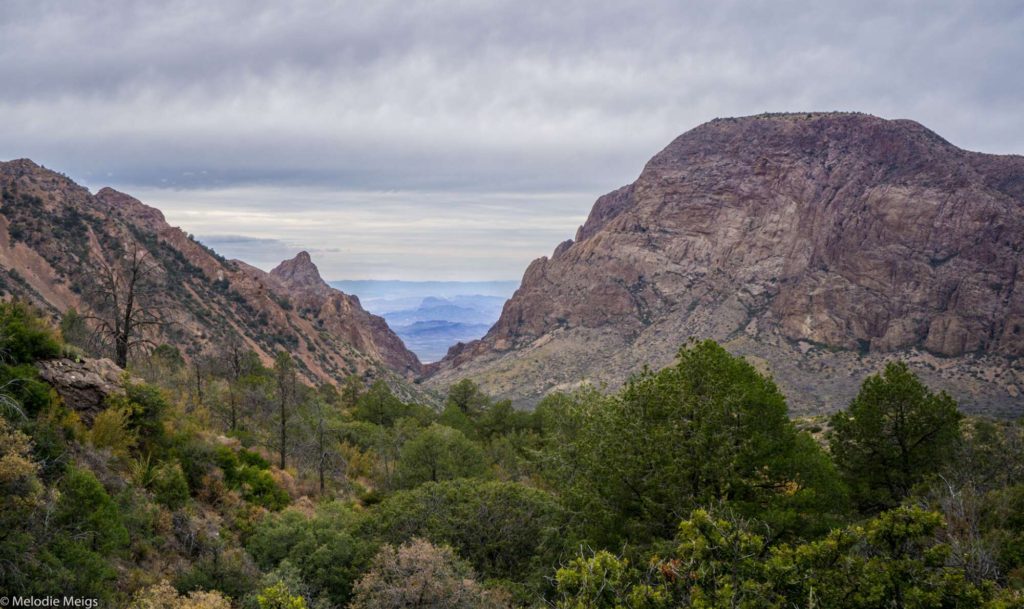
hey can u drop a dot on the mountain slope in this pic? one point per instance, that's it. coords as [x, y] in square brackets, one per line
[341, 314]
[58, 242]
[816, 244]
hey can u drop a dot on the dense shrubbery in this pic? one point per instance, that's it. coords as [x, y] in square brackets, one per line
[690, 487]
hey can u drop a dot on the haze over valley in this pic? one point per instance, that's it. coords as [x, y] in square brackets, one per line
[432, 316]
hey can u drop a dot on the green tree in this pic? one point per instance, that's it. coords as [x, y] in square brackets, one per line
[323, 548]
[506, 530]
[894, 434]
[439, 453]
[379, 406]
[710, 428]
[351, 392]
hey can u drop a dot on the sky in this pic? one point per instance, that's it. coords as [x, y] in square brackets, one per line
[457, 140]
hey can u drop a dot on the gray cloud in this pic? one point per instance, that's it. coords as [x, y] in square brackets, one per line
[193, 101]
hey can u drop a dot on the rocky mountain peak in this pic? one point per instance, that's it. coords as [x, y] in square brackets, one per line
[300, 273]
[818, 243]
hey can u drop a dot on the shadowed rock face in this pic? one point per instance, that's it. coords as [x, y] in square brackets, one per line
[817, 244]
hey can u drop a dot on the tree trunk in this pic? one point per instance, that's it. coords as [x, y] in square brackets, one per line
[284, 431]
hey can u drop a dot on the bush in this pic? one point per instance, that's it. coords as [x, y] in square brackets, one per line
[110, 431]
[22, 384]
[163, 596]
[324, 549]
[24, 337]
[169, 485]
[86, 510]
[230, 572]
[505, 530]
[249, 473]
[418, 574]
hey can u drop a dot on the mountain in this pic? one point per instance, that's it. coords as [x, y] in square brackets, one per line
[386, 295]
[457, 311]
[817, 245]
[484, 310]
[60, 245]
[431, 339]
[438, 323]
[341, 315]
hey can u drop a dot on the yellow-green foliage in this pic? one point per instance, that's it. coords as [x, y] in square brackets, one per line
[110, 430]
[164, 596]
[278, 596]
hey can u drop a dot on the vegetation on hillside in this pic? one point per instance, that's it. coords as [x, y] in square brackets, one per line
[225, 482]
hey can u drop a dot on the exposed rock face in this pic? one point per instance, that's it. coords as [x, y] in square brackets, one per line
[83, 385]
[341, 314]
[56, 239]
[817, 244]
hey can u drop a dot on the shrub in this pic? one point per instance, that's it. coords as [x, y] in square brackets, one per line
[86, 509]
[110, 430]
[24, 336]
[249, 473]
[231, 572]
[169, 485]
[324, 548]
[163, 596]
[504, 529]
[418, 574]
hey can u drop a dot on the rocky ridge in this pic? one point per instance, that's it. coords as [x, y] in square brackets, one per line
[57, 239]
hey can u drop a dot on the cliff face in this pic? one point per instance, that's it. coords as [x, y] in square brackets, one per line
[816, 244]
[58, 242]
[341, 314]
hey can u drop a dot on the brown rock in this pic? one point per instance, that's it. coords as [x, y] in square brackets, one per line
[862, 236]
[83, 385]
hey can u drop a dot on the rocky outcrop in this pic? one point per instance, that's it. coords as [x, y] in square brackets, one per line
[83, 385]
[341, 314]
[57, 239]
[817, 244]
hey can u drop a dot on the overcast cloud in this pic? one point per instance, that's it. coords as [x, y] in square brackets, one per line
[448, 140]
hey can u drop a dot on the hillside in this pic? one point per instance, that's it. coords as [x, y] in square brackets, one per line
[817, 245]
[61, 246]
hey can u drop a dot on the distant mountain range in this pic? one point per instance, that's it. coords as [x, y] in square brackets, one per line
[432, 316]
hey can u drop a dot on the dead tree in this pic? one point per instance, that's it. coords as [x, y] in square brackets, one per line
[126, 302]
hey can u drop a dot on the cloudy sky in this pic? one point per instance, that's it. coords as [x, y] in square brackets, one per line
[457, 140]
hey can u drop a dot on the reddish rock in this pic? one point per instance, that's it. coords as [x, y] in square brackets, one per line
[341, 314]
[56, 238]
[858, 236]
